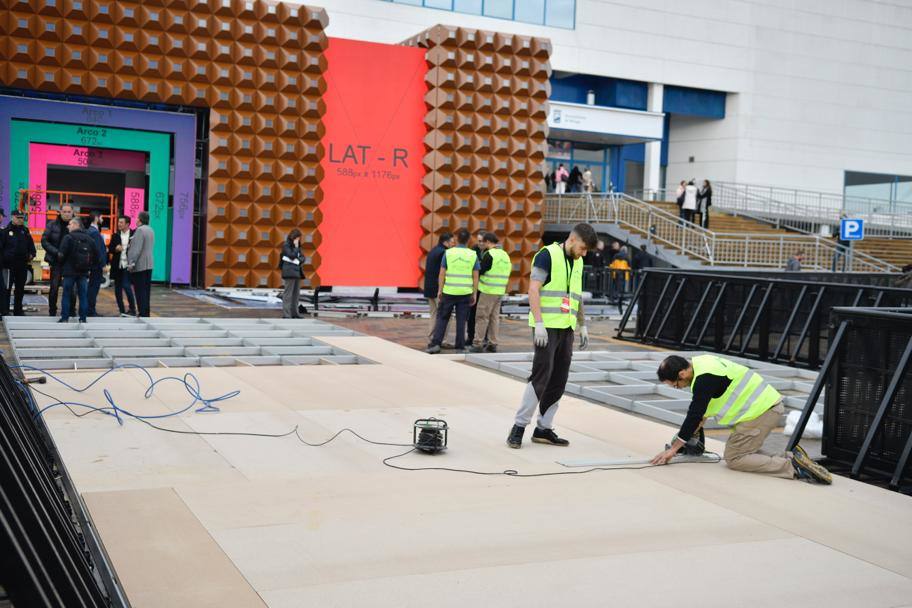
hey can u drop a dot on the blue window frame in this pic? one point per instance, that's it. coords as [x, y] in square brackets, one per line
[553, 13]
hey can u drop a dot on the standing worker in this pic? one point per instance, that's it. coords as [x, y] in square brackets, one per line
[78, 255]
[432, 278]
[117, 250]
[96, 276]
[738, 397]
[290, 265]
[139, 263]
[479, 250]
[50, 242]
[18, 251]
[556, 311]
[458, 284]
[493, 279]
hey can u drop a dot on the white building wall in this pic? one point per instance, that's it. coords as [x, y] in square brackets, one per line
[820, 86]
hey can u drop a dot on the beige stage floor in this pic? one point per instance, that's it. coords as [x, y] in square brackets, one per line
[224, 521]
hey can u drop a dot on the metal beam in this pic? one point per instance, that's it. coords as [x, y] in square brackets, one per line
[671, 307]
[807, 324]
[818, 387]
[696, 312]
[655, 310]
[753, 326]
[885, 404]
[788, 325]
[741, 315]
[633, 300]
[712, 313]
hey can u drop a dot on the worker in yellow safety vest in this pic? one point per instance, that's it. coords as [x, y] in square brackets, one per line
[493, 280]
[738, 397]
[556, 312]
[458, 284]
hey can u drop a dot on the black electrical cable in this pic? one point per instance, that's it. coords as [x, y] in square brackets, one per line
[515, 473]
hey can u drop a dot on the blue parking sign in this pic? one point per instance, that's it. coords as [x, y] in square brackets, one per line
[851, 230]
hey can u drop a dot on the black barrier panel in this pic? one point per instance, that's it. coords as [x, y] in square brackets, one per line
[44, 558]
[868, 360]
[783, 320]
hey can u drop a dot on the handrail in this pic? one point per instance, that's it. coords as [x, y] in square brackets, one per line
[808, 210]
[714, 248]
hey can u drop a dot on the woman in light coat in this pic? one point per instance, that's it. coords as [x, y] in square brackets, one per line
[291, 274]
[690, 201]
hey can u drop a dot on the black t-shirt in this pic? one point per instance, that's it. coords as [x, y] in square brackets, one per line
[705, 388]
[487, 260]
[543, 263]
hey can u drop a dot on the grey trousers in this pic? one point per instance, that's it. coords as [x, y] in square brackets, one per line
[290, 299]
[550, 369]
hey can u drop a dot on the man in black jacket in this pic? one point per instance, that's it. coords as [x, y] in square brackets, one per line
[50, 242]
[432, 279]
[78, 255]
[18, 252]
[117, 250]
[470, 323]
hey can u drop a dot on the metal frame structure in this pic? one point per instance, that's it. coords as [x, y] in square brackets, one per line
[868, 410]
[49, 553]
[771, 317]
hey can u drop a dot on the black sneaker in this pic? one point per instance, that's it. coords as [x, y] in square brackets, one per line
[475, 349]
[548, 436]
[516, 436]
[433, 349]
[815, 474]
[491, 348]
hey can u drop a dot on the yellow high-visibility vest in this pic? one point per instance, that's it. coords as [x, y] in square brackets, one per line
[558, 287]
[460, 262]
[495, 281]
[748, 395]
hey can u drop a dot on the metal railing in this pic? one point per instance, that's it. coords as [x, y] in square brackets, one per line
[746, 250]
[807, 210]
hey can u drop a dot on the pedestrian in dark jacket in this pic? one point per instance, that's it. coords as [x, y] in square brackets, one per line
[291, 263]
[470, 323]
[96, 276]
[18, 251]
[53, 235]
[704, 202]
[432, 279]
[117, 250]
[78, 255]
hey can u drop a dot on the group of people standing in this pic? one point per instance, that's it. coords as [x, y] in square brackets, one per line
[693, 201]
[77, 256]
[562, 181]
[469, 282]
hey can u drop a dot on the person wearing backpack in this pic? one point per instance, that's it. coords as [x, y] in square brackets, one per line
[78, 256]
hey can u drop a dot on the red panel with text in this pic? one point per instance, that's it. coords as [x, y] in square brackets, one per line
[371, 208]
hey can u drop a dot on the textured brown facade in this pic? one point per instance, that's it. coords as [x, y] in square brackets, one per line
[487, 130]
[257, 65]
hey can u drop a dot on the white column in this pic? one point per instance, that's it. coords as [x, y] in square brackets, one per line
[653, 160]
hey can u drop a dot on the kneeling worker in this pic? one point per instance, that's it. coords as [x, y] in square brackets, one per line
[556, 311]
[738, 397]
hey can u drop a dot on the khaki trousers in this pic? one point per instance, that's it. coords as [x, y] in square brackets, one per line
[742, 451]
[487, 319]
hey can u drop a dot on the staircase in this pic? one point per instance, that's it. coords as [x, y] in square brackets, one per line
[733, 241]
[895, 251]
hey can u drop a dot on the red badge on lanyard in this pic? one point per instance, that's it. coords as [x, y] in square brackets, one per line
[565, 304]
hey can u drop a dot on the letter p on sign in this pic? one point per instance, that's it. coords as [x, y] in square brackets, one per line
[851, 230]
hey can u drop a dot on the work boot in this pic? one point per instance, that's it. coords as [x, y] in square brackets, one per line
[475, 349]
[516, 436]
[801, 460]
[814, 474]
[491, 348]
[433, 349]
[548, 436]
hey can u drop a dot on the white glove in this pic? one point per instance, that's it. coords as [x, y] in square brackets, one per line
[541, 335]
[584, 338]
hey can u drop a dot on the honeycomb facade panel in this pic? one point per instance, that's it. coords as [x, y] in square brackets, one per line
[487, 126]
[258, 66]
